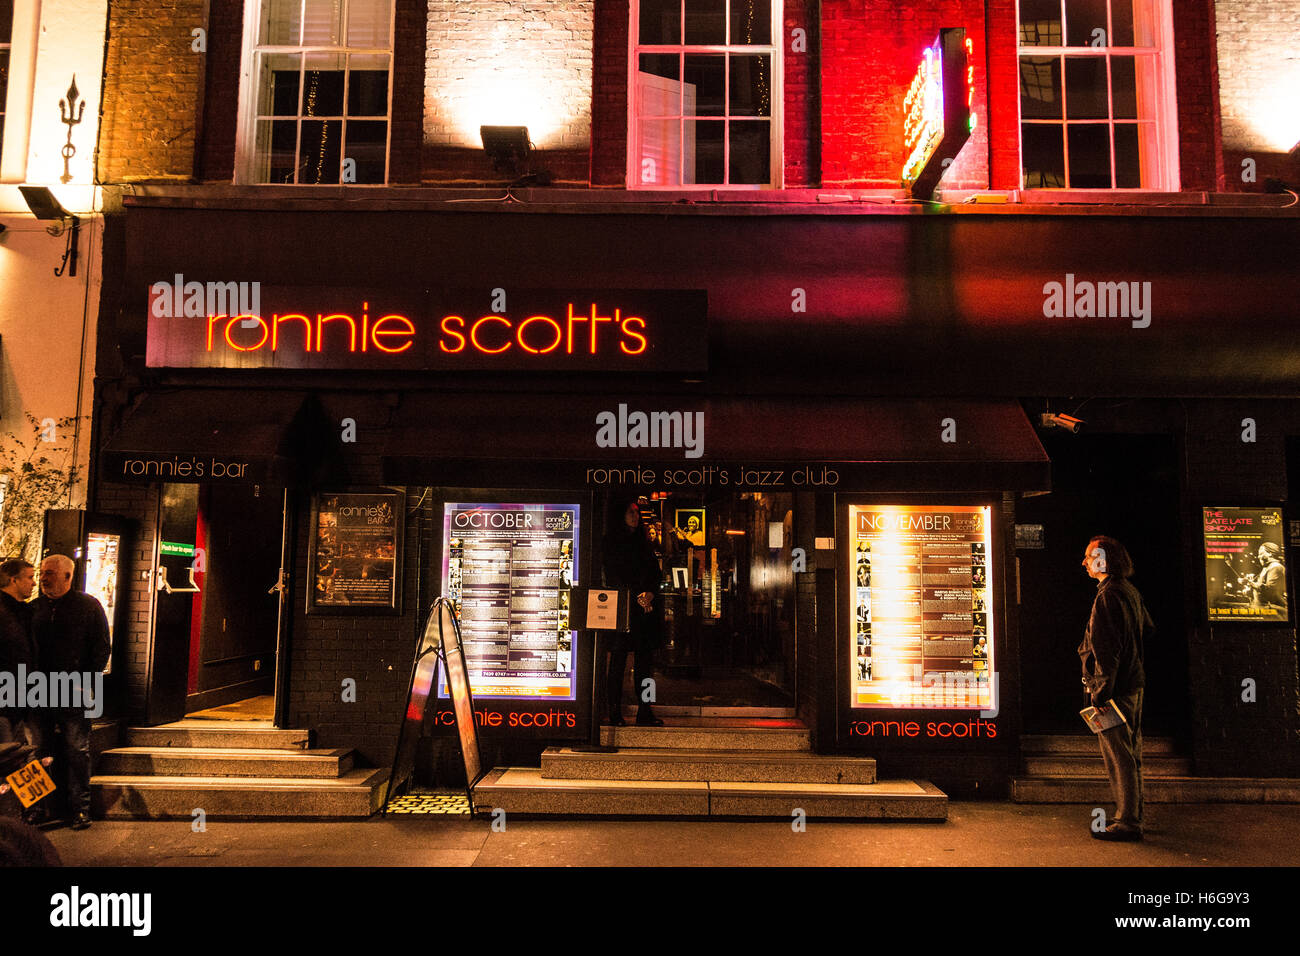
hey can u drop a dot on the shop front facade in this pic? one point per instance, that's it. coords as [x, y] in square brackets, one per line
[862, 524]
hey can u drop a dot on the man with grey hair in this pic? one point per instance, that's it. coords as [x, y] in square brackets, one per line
[71, 632]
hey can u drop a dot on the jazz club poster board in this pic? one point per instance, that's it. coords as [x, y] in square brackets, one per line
[509, 569]
[920, 607]
[1245, 564]
[356, 551]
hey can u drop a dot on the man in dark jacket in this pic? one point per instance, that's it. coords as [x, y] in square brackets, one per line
[1111, 655]
[17, 580]
[631, 565]
[71, 633]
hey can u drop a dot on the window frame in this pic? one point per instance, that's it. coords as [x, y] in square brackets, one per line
[1163, 115]
[776, 138]
[17, 107]
[246, 129]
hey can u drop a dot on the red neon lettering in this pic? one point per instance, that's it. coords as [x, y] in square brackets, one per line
[275, 329]
[568, 344]
[212, 319]
[266, 331]
[559, 334]
[636, 335]
[408, 329]
[334, 317]
[460, 346]
[473, 334]
[595, 325]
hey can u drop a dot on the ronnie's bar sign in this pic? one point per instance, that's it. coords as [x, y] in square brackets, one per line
[305, 327]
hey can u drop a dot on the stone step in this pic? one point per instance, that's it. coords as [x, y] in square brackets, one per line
[708, 738]
[1086, 744]
[104, 735]
[643, 763]
[523, 790]
[1076, 789]
[202, 762]
[218, 734]
[358, 793]
[1092, 766]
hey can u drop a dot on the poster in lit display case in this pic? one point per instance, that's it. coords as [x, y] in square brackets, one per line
[103, 552]
[509, 569]
[920, 607]
[1245, 564]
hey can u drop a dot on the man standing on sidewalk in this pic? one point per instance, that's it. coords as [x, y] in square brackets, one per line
[17, 580]
[71, 633]
[1111, 654]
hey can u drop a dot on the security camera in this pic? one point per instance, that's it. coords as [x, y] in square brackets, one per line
[1068, 422]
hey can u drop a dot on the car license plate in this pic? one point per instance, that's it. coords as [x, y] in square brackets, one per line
[31, 783]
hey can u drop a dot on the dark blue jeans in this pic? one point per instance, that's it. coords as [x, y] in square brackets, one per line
[72, 765]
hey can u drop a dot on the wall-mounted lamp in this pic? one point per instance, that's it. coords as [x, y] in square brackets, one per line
[45, 207]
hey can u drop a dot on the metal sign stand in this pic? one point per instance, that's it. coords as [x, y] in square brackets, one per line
[578, 615]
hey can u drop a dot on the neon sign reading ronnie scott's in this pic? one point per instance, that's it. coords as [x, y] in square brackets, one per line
[405, 329]
[937, 111]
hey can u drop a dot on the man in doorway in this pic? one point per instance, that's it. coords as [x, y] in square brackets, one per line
[17, 580]
[1268, 588]
[1111, 654]
[71, 632]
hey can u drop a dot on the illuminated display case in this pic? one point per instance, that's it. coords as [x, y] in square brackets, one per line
[920, 603]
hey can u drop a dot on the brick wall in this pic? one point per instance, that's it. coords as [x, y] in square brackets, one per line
[870, 53]
[151, 89]
[802, 118]
[1259, 79]
[609, 93]
[504, 62]
[1200, 141]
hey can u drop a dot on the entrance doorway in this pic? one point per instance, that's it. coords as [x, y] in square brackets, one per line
[1125, 486]
[728, 603]
[217, 617]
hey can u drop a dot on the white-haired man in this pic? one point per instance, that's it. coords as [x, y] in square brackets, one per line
[71, 632]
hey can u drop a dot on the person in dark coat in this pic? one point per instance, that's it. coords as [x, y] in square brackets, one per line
[71, 631]
[631, 565]
[1111, 655]
[17, 581]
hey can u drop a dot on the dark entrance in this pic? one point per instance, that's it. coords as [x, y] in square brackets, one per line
[216, 621]
[1125, 486]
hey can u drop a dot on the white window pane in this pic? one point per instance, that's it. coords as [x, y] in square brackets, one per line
[281, 21]
[277, 84]
[277, 146]
[322, 84]
[322, 22]
[368, 23]
[659, 153]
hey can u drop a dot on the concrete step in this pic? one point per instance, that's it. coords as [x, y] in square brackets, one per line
[1092, 766]
[523, 790]
[218, 734]
[358, 793]
[104, 735]
[200, 762]
[1086, 744]
[1076, 789]
[708, 738]
[643, 763]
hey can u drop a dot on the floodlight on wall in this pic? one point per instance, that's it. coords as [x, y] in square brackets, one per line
[507, 146]
[45, 207]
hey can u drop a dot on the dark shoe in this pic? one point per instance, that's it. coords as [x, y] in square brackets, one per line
[81, 821]
[1120, 833]
[618, 721]
[648, 720]
[36, 816]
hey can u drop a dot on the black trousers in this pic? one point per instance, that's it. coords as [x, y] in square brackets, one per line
[642, 647]
[1121, 749]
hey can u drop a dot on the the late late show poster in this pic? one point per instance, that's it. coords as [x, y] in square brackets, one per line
[921, 609]
[1245, 564]
[509, 569]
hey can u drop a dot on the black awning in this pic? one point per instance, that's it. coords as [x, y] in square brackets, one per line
[556, 441]
[219, 435]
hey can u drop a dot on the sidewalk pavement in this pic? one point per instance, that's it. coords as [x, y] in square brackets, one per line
[976, 834]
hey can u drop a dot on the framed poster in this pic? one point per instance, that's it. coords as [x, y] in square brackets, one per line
[509, 568]
[688, 524]
[922, 634]
[356, 552]
[1245, 564]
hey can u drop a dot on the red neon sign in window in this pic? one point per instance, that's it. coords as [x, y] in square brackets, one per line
[458, 333]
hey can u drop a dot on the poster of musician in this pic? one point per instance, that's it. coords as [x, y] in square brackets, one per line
[1245, 564]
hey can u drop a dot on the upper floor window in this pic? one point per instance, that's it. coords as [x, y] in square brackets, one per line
[6, 42]
[319, 93]
[1096, 95]
[704, 93]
